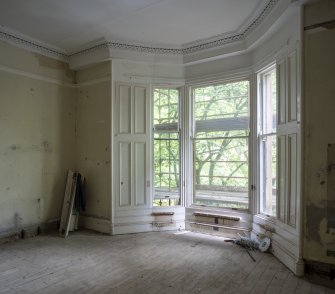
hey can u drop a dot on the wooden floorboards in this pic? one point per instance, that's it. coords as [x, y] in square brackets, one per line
[157, 262]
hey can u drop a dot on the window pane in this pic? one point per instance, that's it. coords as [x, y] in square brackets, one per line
[268, 175]
[166, 106]
[221, 101]
[166, 147]
[220, 146]
[269, 117]
[268, 143]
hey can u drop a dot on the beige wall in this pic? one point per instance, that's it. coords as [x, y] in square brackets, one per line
[319, 105]
[93, 138]
[52, 119]
[37, 124]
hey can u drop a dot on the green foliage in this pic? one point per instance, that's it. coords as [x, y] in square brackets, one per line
[220, 152]
[166, 142]
[166, 160]
[221, 101]
[221, 157]
[166, 106]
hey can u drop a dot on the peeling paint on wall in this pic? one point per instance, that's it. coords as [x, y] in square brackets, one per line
[37, 139]
[50, 63]
[319, 119]
[331, 188]
[93, 137]
[314, 216]
[321, 218]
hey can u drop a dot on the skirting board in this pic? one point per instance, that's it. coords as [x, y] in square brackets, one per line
[178, 226]
[296, 265]
[28, 231]
[120, 229]
[148, 220]
[96, 224]
[131, 228]
[207, 229]
[10, 235]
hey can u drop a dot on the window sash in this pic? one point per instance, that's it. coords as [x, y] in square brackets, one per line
[226, 123]
[169, 194]
[267, 129]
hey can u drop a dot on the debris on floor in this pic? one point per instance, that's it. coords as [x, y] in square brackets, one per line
[249, 244]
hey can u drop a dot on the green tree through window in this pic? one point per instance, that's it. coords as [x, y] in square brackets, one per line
[166, 147]
[268, 141]
[220, 145]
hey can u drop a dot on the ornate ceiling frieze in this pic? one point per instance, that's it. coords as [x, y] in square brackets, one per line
[4, 36]
[193, 47]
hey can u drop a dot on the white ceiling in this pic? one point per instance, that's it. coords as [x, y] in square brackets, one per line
[72, 24]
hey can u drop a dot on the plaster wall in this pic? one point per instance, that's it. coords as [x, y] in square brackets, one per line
[319, 106]
[147, 72]
[229, 66]
[93, 141]
[37, 128]
[283, 36]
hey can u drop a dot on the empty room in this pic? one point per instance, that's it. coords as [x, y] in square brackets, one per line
[167, 146]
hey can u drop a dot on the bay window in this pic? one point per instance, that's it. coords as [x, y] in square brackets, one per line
[220, 145]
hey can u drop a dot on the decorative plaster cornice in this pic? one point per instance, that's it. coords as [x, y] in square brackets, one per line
[145, 49]
[122, 46]
[5, 36]
[213, 44]
[264, 13]
[233, 37]
[193, 47]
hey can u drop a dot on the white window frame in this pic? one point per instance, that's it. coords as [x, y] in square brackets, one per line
[191, 132]
[259, 137]
[180, 134]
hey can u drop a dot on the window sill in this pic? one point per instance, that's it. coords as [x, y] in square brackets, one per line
[244, 215]
[271, 220]
[214, 217]
[220, 209]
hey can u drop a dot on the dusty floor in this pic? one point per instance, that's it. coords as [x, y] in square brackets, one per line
[142, 263]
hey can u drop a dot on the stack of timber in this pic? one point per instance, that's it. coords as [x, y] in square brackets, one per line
[69, 217]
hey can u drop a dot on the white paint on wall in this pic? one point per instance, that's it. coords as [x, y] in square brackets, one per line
[148, 72]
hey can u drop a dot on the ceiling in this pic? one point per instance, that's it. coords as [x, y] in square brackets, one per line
[73, 24]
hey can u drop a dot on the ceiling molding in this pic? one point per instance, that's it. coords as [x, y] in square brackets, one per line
[190, 48]
[213, 44]
[259, 19]
[31, 45]
[239, 35]
[136, 48]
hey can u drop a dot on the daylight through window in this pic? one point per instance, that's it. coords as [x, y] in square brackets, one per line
[268, 142]
[166, 147]
[220, 145]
